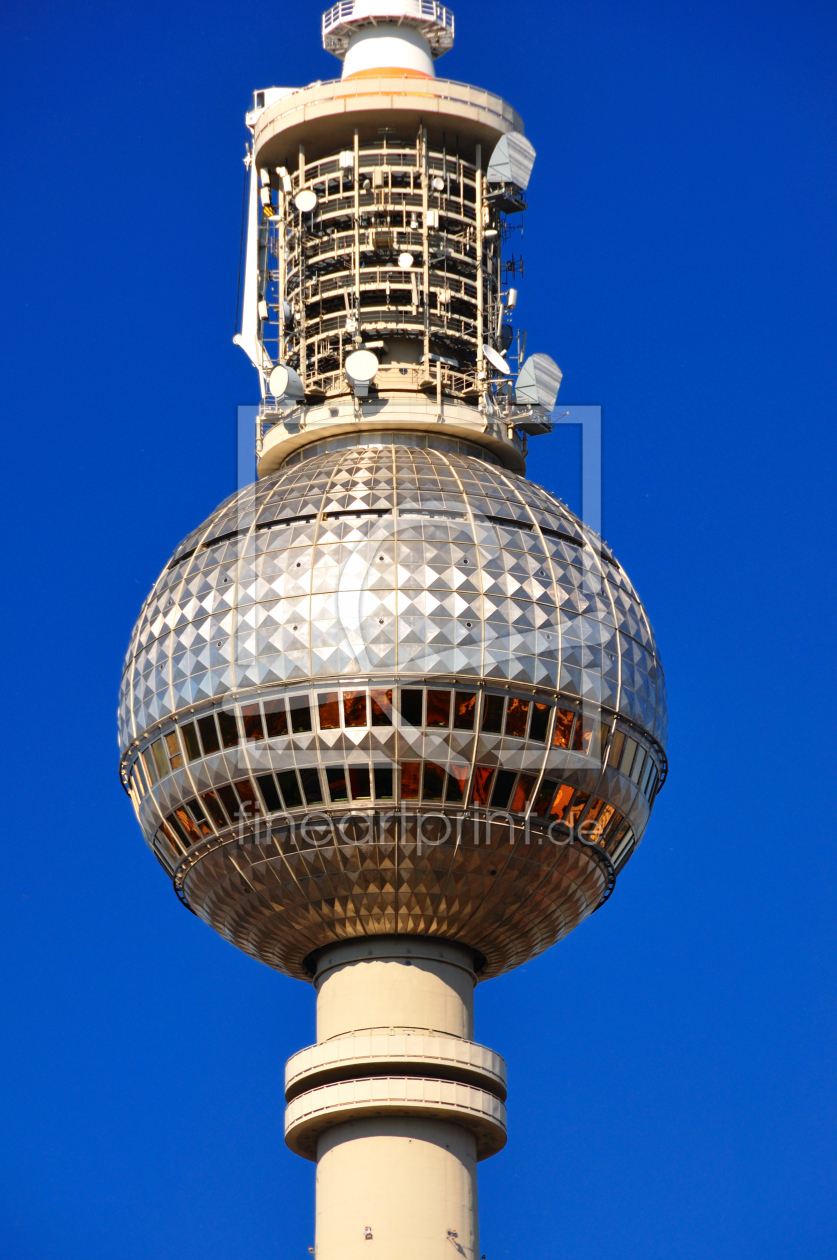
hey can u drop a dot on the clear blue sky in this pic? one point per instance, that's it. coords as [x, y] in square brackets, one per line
[671, 1063]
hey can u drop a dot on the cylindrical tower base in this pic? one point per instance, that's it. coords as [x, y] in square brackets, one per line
[395, 982]
[395, 1102]
[405, 1186]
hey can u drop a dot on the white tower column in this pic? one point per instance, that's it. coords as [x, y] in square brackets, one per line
[396, 1102]
[388, 48]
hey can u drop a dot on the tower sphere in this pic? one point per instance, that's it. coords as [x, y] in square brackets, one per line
[393, 688]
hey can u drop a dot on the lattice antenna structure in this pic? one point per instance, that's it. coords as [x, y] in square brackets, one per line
[377, 215]
[393, 718]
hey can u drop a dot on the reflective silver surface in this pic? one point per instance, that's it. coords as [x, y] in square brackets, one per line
[393, 567]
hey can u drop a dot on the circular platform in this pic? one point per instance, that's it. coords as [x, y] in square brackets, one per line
[409, 1052]
[476, 1110]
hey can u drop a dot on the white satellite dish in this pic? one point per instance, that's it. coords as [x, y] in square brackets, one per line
[306, 200]
[283, 382]
[496, 360]
[405, 260]
[438, 184]
[360, 368]
[538, 382]
[512, 161]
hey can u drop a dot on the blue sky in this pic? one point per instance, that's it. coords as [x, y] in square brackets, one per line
[672, 1091]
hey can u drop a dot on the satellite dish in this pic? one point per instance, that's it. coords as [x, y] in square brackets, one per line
[496, 360]
[405, 260]
[438, 184]
[306, 200]
[538, 382]
[283, 382]
[360, 368]
[512, 161]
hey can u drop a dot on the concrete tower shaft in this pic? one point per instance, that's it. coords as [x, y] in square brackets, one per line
[396, 1113]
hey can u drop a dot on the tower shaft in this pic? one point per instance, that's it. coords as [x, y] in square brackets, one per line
[396, 1111]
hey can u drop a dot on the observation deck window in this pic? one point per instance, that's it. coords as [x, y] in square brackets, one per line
[159, 755]
[174, 828]
[564, 719]
[540, 721]
[190, 740]
[590, 736]
[522, 792]
[310, 780]
[252, 717]
[381, 702]
[410, 779]
[562, 799]
[173, 749]
[187, 824]
[438, 708]
[213, 806]
[503, 784]
[434, 781]
[545, 797]
[209, 735]
[596, 820]
[267, 787]
[617, 744]
[300, 715]
[276, 718]
[150, 768]
[354, 708]
[412, 707]
[199, 817]
[482, 783]
[247, 796]
[290, 789]
[166, 846]
[622, 842]
[359, 782]
[628, 754]
[338, 788]
[492, 718]
[464, 710]
[230, 801]
[576, 809]
[517, 715]
[328, 707]
[457, 782]
[383, 782]
[228, 726]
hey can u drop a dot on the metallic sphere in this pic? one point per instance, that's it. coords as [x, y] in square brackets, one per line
[393, 688]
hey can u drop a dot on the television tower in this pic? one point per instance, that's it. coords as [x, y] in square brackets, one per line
[393, 718]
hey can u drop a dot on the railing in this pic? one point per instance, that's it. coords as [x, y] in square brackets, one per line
[426, 10]
[441, 88]
[337, 13]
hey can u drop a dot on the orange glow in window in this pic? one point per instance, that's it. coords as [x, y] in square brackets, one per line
[562, 800]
